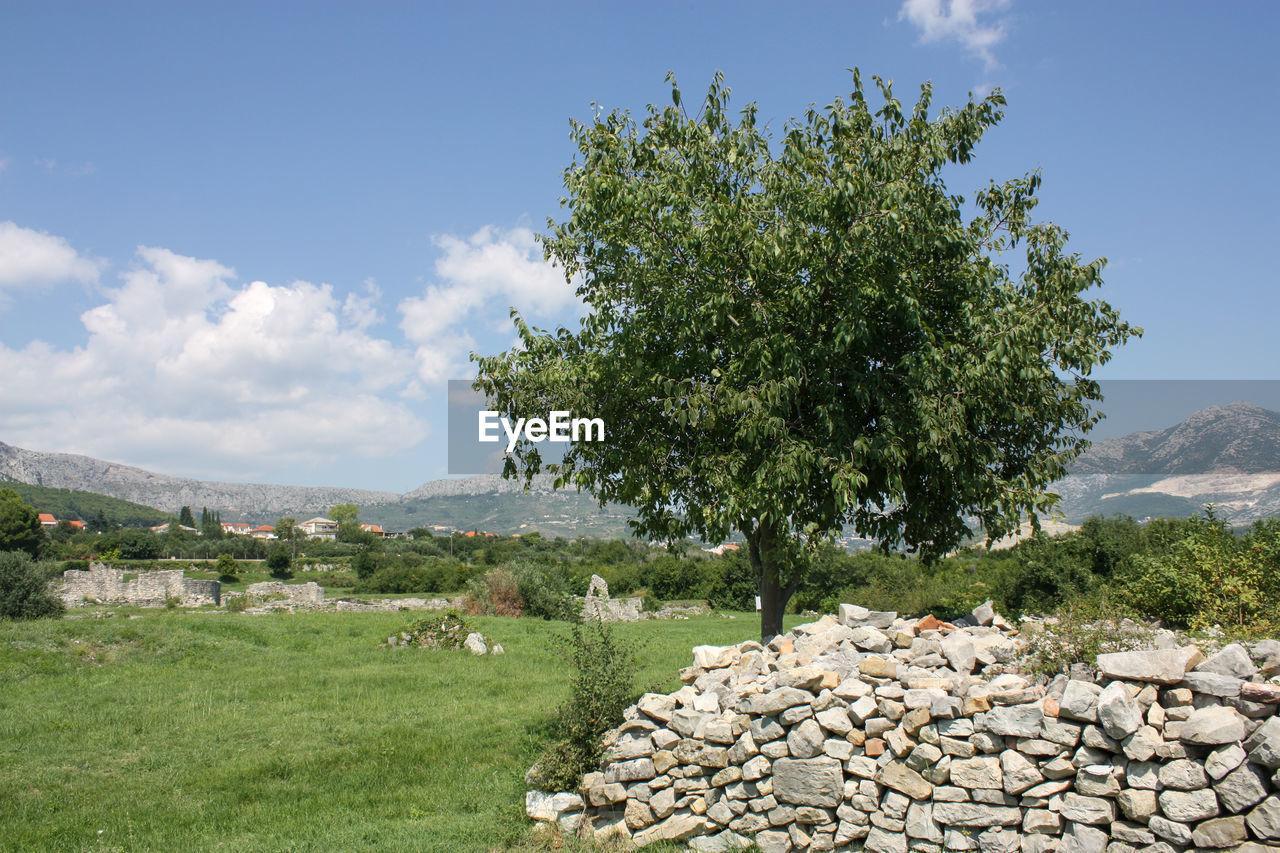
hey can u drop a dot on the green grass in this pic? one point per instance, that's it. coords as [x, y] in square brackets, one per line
[298, 732]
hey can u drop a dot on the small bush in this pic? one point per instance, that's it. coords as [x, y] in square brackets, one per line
[24, 592]
[239, 604]
[1080, 632]
[602, 687]
[497, 593]
[545, 592]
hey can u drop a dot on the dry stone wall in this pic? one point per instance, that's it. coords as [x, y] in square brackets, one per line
[105, 585]
[891, 735]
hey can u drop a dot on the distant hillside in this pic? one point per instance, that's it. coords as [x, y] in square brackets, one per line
[1241, 437]
[1228, 456]
[1225, 455]
[74, 505]
[564, 513]
[236, 501]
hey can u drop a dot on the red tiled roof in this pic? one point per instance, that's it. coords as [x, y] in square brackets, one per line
[79, 524]
[47, 518]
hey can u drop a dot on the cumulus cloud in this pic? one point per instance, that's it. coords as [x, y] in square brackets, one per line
[480, 277]
[185, 369]
[30, 258]
[958, 21]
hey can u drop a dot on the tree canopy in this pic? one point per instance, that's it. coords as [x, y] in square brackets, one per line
[788, 336]
[20, 528]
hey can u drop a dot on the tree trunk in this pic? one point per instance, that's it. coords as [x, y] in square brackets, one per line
[774, 591]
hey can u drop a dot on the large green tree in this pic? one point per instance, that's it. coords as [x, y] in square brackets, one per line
[20, 528]
[789, 335]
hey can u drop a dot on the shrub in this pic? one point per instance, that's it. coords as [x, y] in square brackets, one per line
[545, 592]
[367, 563]
[602, 687]
[239, 604]
[24, 592]
[1088, 627]
[1209, 577]
[497, 593]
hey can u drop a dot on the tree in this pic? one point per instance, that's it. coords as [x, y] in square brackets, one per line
[279, 562]
[345, 513]
[287, 531]
[786, 338]
[24, 589]
[20, 528]
[226, 567]
[185, 518]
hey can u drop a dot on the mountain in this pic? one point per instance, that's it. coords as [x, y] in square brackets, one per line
[486, 502]
[1240, 436]
[236, 501]
[1228, 456]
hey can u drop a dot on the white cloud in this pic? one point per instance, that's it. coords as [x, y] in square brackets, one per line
[485, 275]
[186, 370]
[958, 20]
[30, 258]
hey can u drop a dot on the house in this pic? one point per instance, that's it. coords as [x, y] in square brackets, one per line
[320, 528]
[47, 520]
[78, 525]
[266, 531]
[374, 529]
[164, 528]
[240, 528]
[720, 549]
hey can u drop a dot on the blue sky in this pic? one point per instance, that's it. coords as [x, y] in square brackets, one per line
[252, 241]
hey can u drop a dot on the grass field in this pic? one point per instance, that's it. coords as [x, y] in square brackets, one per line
[299, 732]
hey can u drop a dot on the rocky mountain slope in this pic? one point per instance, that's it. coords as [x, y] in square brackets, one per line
[1226, 455]
[234, 500]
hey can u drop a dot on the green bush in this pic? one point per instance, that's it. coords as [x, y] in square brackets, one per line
[24, 588]
[602, 687]
[1209, 577]
[545, 592]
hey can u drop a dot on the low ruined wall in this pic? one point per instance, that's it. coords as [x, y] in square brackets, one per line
[892, 735]
[101, 584]
[309, 594]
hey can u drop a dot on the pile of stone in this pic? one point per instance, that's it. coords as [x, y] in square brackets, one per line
[870, 731]
[449, 631]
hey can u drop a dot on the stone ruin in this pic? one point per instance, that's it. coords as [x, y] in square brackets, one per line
[276, 595]
[893, 735]
[599, 607]
[104, 585]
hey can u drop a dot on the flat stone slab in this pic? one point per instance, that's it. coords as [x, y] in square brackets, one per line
[1158, 666]
[808, 781]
